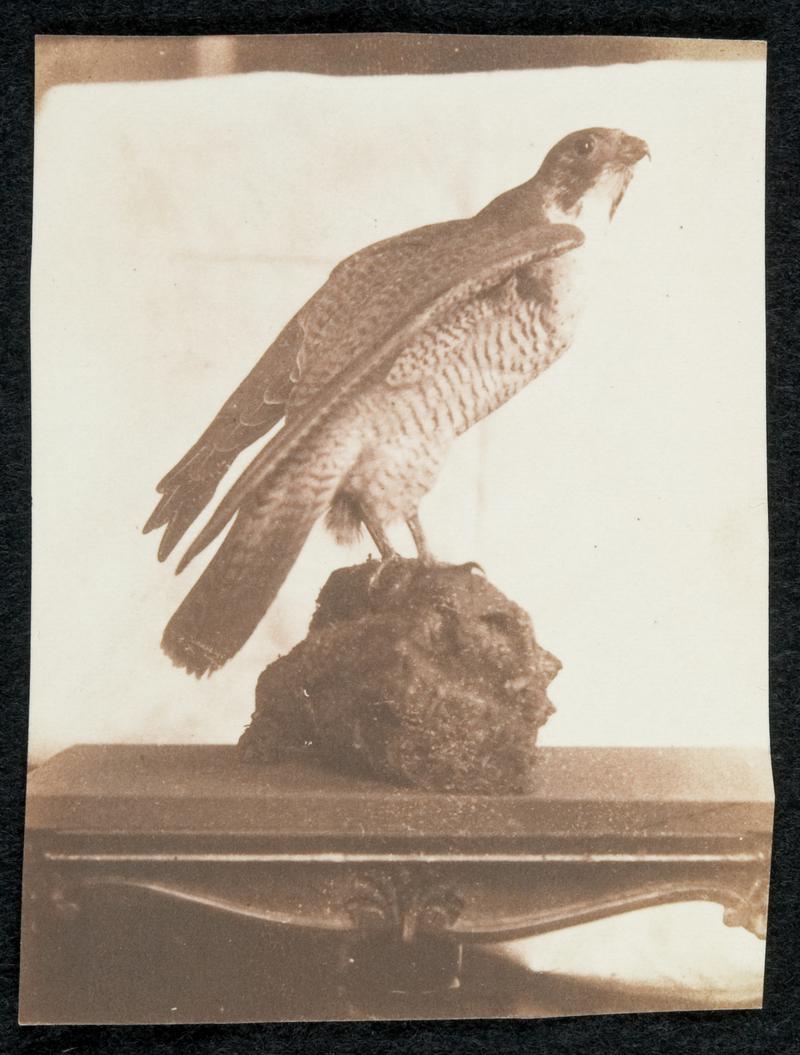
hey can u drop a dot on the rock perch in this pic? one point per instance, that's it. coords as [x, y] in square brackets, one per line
[419, 674]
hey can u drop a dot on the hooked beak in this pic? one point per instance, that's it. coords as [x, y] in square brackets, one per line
[633, 150]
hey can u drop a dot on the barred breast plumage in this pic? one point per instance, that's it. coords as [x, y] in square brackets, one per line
[409, 343]
[453, 375]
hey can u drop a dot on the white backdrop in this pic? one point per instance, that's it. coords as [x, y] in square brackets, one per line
[621, 498]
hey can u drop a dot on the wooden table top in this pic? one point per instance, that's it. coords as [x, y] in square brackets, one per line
[143, 790]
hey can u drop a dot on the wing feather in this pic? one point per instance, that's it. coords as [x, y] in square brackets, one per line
[460, 269]
[254, 408]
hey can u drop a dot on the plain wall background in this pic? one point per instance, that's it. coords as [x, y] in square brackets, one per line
[621, 498]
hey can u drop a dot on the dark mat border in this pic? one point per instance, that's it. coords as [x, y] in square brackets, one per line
[773, 1030]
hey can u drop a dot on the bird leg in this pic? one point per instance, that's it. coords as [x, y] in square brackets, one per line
[425, 555]
[415, 527]
[378, 535]
[398, 569]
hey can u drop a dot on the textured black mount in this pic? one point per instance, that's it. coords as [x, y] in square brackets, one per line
[420, 674]
[775, 1029]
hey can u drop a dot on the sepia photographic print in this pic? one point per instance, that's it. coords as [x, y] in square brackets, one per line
[434, 368]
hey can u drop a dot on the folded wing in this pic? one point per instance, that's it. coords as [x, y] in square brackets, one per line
[448, 273]
[334, 327]
[255, 407]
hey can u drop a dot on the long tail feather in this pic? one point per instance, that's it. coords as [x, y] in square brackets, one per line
[233, 594]
[242, 580]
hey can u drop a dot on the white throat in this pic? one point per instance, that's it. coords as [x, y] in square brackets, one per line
[593, 212]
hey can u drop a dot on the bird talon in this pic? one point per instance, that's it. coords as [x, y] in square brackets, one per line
[394, 561]
[471, 566]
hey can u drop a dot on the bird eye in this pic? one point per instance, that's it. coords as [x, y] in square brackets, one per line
[584, 146]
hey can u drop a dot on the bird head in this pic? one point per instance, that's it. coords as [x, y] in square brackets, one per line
[584, 177]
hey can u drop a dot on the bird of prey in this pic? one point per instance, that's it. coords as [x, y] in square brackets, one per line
[409, 342]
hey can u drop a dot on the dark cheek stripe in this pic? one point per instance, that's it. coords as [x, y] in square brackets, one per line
[571, 189]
